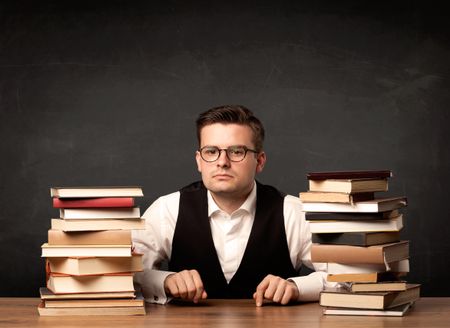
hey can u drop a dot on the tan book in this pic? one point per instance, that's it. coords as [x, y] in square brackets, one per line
[100, 213]
[397, 266]
[85, 250]
[340, 297]
[105, 237]
[394, 224]
[47, 294]
[369, 206]
[80, 266]
[349, 186]
[66, 284]
[124, 310]
[96, 191]
[384, 253]
[365, 277]
[385, 286]
[334, 197]
[97, 224]
[397, 311]
[93, 303]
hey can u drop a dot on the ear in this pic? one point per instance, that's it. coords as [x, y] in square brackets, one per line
[260, 161]
[198, 159]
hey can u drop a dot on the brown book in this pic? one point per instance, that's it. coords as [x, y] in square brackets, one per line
[397, 311]
[98, 224]
[105, 237]
[66, 284]
[94, 303]
[340, 297]
[334, 197]
[365, 277]
[47, 294]
[372, 174]
[123, 310]
[384, 253]
[79, 266]
[349, 186]
[383, 286]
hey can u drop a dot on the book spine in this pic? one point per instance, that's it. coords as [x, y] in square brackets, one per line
[94, 202]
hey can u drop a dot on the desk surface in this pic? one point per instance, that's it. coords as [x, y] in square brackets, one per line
[427, 312]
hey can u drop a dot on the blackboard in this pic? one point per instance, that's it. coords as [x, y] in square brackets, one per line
[106, 93]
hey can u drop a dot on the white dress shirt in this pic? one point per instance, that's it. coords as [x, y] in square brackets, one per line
[230, 234]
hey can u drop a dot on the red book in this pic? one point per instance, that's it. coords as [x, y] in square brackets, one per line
[93, 202]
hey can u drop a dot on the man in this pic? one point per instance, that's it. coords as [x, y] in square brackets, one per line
[227, 236]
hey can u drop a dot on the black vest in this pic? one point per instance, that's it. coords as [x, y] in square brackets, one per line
[266, 252]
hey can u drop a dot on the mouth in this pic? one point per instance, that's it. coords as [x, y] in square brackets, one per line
[222, 176]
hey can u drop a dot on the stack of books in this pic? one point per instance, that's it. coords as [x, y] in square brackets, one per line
[89, 257]
[358, 235]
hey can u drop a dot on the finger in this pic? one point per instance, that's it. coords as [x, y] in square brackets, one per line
[280, 287]
[272, 288]
[189, 283]
[170, 286]
[260, 290]
[199, 291]
[287, 296]
[181, 285]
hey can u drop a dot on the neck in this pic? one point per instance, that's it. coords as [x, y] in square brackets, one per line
[229, 203]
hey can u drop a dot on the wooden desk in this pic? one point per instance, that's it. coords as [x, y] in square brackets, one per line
[427, 312]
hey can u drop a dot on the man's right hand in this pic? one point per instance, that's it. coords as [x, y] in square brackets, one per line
[186, 285]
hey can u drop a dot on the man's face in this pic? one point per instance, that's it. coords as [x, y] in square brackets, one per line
[224, 177]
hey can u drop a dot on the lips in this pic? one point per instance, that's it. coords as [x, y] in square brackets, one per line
[222, 176]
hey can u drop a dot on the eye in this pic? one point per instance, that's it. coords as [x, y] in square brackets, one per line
[237, 151]
[210, 150]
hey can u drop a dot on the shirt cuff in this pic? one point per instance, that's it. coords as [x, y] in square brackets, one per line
[310, 286]
[152, 286]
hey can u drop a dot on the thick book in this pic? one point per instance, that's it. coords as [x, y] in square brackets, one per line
[67, 284]
[97, 224]
[368, 174]
[334, 197]
[370, 206]
[384, 253]
[85, 250]
[79, 266]
[395, 224]
[105, 237]
[398, 311]
[100, 213]
[96, 191]
[340, 297]
[339, 216]
[383, 286]
[339, 268]
[47, 294]
[349, 186]
[356, 238]
[93, 202]
[365, 277]
[94, 303]
[102, 311]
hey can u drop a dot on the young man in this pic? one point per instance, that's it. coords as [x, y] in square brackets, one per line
[227, 236]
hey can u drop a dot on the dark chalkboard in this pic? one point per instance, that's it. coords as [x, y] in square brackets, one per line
[106, 93]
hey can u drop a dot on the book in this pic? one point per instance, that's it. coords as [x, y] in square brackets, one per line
[125, 310]
[397, 266]
[47, 294]
[398, 311]
[335, 197]
[369, 206]
[93, 202]
[97, 191]
[356, 238]
[97, 224]
[395, 224]
[349, 186]
[384, 286]
[79, 266]
[105, 237]
[100, 213]
[340, 297]
[93, 303]
[66, 284]
[365, 277]
[370, 174]
[340, 216]
[384, 253]
[85, 250]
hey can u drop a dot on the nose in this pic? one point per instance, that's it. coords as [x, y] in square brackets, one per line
[223, 160]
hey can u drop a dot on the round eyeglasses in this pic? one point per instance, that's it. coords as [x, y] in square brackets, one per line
[234, 153]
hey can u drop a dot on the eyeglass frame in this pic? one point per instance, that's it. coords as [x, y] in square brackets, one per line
[226, 152]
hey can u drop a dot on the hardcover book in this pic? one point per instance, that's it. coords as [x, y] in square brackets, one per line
[370, 206]
[370, 174]
[95, 192]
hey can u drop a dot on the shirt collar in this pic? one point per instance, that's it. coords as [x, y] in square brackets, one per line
[248, 206]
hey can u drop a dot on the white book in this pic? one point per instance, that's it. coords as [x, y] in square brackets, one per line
[339, 268]
[100, 213]
[369, 206]
[394, 224]
[96, 191]
[98, 224]
[85, 250]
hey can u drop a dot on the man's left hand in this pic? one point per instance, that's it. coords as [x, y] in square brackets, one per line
[275, 289]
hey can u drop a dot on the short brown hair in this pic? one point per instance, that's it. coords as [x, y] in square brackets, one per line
[237, 114]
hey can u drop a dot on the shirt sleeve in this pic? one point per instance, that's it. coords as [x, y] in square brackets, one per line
[299, 242]
[155, 243]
